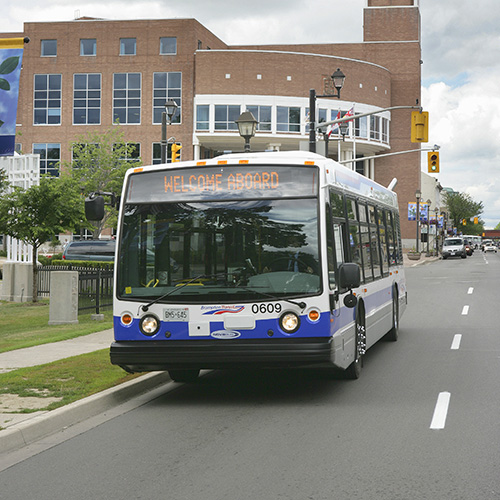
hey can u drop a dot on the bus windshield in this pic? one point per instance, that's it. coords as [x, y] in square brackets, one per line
[219, 251]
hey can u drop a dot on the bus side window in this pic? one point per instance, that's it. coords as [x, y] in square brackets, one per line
[355, 244]
[330, 246]
[336, 230]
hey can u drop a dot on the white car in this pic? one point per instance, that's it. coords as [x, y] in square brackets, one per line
[490, 247]
[454, 247]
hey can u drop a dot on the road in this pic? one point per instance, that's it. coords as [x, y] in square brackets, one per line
[422, 422]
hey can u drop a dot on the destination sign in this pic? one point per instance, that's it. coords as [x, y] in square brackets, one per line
[222, 182]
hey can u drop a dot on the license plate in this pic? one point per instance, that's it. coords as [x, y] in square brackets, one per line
[176, 314]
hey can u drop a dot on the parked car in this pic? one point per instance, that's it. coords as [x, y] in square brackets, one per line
[454, 247]
[490, 247]
[102, 250]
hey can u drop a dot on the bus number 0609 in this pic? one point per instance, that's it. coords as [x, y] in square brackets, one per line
[266, 308]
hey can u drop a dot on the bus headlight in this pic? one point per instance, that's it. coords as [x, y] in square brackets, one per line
[149, 325]
[289, 322]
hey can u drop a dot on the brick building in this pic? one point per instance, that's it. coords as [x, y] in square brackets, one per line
[86, 74]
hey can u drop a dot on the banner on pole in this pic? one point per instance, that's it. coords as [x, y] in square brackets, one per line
[11, 58]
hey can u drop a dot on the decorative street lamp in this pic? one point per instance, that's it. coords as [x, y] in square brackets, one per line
[166, 117]
[247, 125]
[338, 79]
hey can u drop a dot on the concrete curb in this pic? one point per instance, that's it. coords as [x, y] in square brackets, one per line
[41, 426]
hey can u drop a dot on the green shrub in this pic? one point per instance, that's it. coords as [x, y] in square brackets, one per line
[83, 263]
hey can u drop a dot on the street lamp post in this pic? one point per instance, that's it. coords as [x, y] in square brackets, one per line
[428, 224]
[418, 194]
[338, 79]
[166, 117]
[436, 211]
[247, 125]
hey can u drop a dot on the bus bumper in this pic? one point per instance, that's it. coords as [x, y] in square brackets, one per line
[145, 356]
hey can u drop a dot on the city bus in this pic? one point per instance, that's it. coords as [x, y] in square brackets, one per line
[262, 260]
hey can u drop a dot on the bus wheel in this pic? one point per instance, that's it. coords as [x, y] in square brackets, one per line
[353, 371]
[393, 334]
[183, 375]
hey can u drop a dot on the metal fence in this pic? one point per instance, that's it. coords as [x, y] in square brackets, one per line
[95, 286]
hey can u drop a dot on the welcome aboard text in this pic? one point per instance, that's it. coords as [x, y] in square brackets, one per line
[221, 182]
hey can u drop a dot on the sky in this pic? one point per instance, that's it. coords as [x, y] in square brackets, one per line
[460, 71]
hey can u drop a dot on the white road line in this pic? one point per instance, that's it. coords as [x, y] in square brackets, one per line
[441, 411]
[465, 311]
[456, 341]
[470, 291]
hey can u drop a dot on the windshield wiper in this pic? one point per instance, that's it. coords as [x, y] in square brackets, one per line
[302, 305]
[177, 288]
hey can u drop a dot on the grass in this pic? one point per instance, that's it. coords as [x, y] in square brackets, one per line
[26, 324]
[70, 379]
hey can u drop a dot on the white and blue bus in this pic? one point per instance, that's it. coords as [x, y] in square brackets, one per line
[254, 260]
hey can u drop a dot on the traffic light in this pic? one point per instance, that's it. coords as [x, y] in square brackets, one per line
[419, 126]
[433, 162]
[175, 152]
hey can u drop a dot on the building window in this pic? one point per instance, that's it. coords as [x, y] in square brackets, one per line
[128, 46]
[156, 153]
[88, 47]
[132, 152]
[87, 99]
[168, 45]
[50, 156]
[127, 98]
[47, 100]
[82, 152]
[226, 116]
[48, 48]
[202, 117]
[166, 86]
[385, 130]
[263, 115]
[361, 127]
[375, 128]
[288, 119]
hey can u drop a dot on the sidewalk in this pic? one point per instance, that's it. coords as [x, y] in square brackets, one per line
[423, 260]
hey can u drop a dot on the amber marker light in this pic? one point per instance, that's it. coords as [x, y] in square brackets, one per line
[127, 319]
[313, 315]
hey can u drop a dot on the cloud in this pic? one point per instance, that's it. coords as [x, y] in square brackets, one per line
[277, 21]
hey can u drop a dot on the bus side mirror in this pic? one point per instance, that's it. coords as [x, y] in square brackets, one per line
[94, 207]
[349, 278]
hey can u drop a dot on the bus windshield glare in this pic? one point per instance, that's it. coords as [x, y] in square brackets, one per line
[219, 251]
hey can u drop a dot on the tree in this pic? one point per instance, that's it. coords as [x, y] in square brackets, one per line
[3, 180]
[461, 206]
[35, 215]
[100, 161]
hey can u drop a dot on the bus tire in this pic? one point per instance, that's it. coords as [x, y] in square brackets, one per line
[353, 371]
[393, 334]
[184, 375]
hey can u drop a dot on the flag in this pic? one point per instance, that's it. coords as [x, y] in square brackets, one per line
[11, 57]
[335, 127]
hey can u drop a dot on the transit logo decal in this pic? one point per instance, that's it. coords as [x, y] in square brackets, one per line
[216, 310]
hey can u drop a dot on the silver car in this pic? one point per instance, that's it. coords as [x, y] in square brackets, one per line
[454, 247]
